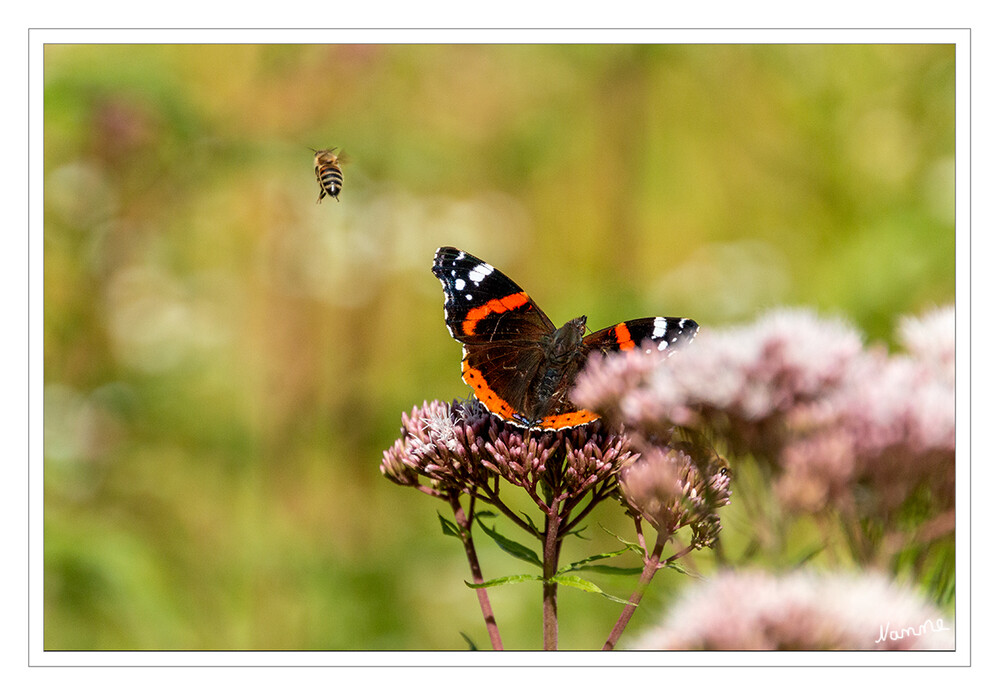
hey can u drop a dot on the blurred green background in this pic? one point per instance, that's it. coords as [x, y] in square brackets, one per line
[225, 360]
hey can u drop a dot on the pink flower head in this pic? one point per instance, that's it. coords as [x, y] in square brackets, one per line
[930, 339]
[442, 442]
[751, 610]
[739, 381]
[889, 426]
[460, 447]
[676, 487]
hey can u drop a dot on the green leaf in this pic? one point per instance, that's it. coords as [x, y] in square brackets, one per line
[677, 567]
[511, 579]
[471, 644]
[530, 522]
[580, 564]
[514, 548]
[633, 547]
[449, 527]
[611, 569]
[574, 582]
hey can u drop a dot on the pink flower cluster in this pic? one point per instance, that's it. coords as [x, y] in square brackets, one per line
[460, 448]
[889, 427]
[741, 380]
[752, 610]
[442, 443]
[802, 394]
[679, 486]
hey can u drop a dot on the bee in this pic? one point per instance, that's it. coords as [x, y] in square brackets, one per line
[328, 173]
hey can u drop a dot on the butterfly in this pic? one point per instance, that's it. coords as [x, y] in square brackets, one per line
[519, 365]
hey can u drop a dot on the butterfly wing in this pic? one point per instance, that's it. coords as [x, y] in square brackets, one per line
[660, 333]
[502, 330]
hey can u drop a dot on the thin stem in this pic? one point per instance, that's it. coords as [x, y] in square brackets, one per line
[427, 490]
[652, 565]
[676, 556]
[640, 533]
[464, 523]
[595, 498]
[549, 596]
[493, 499]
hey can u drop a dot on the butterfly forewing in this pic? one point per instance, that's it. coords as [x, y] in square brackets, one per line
[660, 333]
[481, 304]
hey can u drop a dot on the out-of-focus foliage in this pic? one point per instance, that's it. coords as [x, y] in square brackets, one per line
[225, 359]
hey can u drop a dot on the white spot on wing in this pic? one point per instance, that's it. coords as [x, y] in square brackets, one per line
[479, 272]
[459, 284]
[660, 327]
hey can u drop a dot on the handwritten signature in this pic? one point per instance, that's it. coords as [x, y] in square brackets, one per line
[897, 634]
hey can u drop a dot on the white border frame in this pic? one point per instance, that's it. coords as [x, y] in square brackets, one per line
[962, 40]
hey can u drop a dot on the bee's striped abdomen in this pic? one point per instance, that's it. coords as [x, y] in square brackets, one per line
[328, 174]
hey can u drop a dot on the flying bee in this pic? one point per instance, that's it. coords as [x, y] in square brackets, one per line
[328, 173]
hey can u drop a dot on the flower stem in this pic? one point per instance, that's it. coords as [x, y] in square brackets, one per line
[464, 523]
[549, 597]
[652, 565]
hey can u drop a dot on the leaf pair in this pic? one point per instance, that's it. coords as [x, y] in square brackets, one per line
[563, 576]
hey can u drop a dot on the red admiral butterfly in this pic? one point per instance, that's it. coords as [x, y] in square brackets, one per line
[518, 364]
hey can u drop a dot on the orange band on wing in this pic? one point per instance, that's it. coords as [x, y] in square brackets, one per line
[489, 398]
[497, 406]
[623, 337]
[574, 419]
[493, 306]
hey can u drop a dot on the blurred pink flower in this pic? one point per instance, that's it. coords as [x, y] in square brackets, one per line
[801, 394]
[752, 610]
[739, 381]
[890, 426]
[930, 339]
[676, 487]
